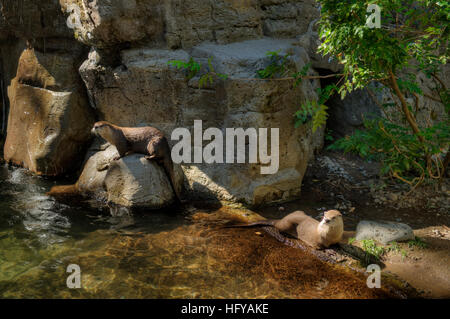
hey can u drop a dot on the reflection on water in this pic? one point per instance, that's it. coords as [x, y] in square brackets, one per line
[159, 255]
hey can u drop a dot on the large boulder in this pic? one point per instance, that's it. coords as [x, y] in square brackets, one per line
[145, 90]
[183, 24]
[49, 118]
[132, 182]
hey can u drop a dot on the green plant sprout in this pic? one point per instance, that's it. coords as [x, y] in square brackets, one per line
[193, 68]
[417, 242]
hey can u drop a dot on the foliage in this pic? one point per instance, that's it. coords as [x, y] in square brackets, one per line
[277, 66]
[298, 76]
[315, 110]
[372, 249]
[193, 68]
[410, 28]
[400, 153]
[329, 135]
[417, 242]
[395, 247]
[413, 38]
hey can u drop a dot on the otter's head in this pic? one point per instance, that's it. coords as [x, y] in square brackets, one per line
[332, 226]
[103, 129]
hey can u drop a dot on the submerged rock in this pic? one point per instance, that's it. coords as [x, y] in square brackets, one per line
[384, 231]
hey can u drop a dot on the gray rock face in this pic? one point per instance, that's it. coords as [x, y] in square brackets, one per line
[348, 114]
[132, 181]
[384, 231]
[145, 90]
[184, 24]
[32, 19]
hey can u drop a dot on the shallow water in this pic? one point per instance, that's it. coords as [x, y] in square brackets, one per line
[154, 255]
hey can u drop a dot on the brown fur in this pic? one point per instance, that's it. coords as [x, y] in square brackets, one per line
[143, 140]
[316, 234]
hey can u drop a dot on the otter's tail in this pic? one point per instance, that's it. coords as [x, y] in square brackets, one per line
[267, 222]
[168, 167]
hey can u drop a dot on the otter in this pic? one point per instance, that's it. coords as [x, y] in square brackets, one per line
[143, 140]
[317, 235]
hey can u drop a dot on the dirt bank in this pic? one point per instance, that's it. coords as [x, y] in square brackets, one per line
[350, 184]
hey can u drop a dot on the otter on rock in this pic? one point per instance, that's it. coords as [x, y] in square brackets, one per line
[143, 140]
[317, 235]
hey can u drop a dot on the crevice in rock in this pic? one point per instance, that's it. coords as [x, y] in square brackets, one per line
[347, 115]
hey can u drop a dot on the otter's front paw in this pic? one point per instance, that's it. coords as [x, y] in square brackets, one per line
[116, 158]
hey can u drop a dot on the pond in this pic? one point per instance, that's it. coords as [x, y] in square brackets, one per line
[162, 254]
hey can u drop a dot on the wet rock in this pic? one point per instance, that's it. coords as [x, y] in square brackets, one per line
[49, 119]
[384, 231]
[132, 181]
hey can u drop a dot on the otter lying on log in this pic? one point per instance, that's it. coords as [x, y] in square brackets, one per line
[317, 235]
[143, 140]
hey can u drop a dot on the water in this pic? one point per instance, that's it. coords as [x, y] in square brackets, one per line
[152, 255]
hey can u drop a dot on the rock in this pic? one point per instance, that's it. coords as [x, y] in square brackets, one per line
[384, 231]
[348, 114]
[32, 19]
[184, 24]
[103, 23]
[310, 41]
[145, 90]
[49, 119]
[132, 181]
[392, 197]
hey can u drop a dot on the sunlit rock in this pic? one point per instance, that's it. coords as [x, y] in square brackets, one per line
[133, 181]
[384, 231]
[49, 118]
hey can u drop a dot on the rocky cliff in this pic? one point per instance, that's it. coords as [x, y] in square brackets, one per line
[65, 64]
